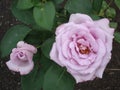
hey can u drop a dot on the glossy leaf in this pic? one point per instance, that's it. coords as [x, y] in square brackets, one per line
[58, 4]
[110, 13]
[103, 9]
[12, 36]
[35, 2]
[46, 47]
[44, 15]
[25, 16]
[117, 36]
[34, 80]
[79, 6]
[45, 63]
[113, 24]
[56, 78]
[97, 4]
[24, 4]
[94, 17]
[36, 37]
[58, 1]
[117, 2]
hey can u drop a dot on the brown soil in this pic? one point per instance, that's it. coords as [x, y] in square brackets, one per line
[11, 81]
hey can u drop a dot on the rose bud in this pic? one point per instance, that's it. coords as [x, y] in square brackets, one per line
[21, 58]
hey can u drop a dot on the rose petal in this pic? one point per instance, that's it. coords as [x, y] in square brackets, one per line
[82, 78]
[104, 25]
[100, 54]
[18, 68]
[26, 46]
[106, 57]
[20, 44]
[79, 18]
[54, 55]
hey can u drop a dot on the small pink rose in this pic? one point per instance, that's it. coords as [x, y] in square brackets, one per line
[83, 46]
[21, 58]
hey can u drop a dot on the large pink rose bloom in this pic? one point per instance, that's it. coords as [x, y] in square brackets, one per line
[21, 58]
[83, 46]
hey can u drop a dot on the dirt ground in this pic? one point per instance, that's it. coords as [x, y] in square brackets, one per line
[11, 81]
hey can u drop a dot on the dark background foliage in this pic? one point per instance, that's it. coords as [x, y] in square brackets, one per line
[11, 81]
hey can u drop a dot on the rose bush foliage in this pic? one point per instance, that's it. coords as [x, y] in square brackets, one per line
[70, 41]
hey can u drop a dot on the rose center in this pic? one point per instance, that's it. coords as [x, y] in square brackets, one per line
[83, 49]
[22, 56]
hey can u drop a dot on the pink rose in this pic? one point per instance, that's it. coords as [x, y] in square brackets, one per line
[83, 46]
[21, 58]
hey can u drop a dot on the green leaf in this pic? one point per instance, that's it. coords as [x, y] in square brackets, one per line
[36, 37]
[117, 2]
[110, 13]
[56, 78]
[117, 36]
[58, 4]
[12, 36]
[34, 80]
[35, 2]
[103, 8]
[94, 17]
[79, 6]
[25, 16]
[58, 1]
[45, 62]
[44, 15]
[113, 24]
[97, 4]
[24, 4]
[46, 47]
